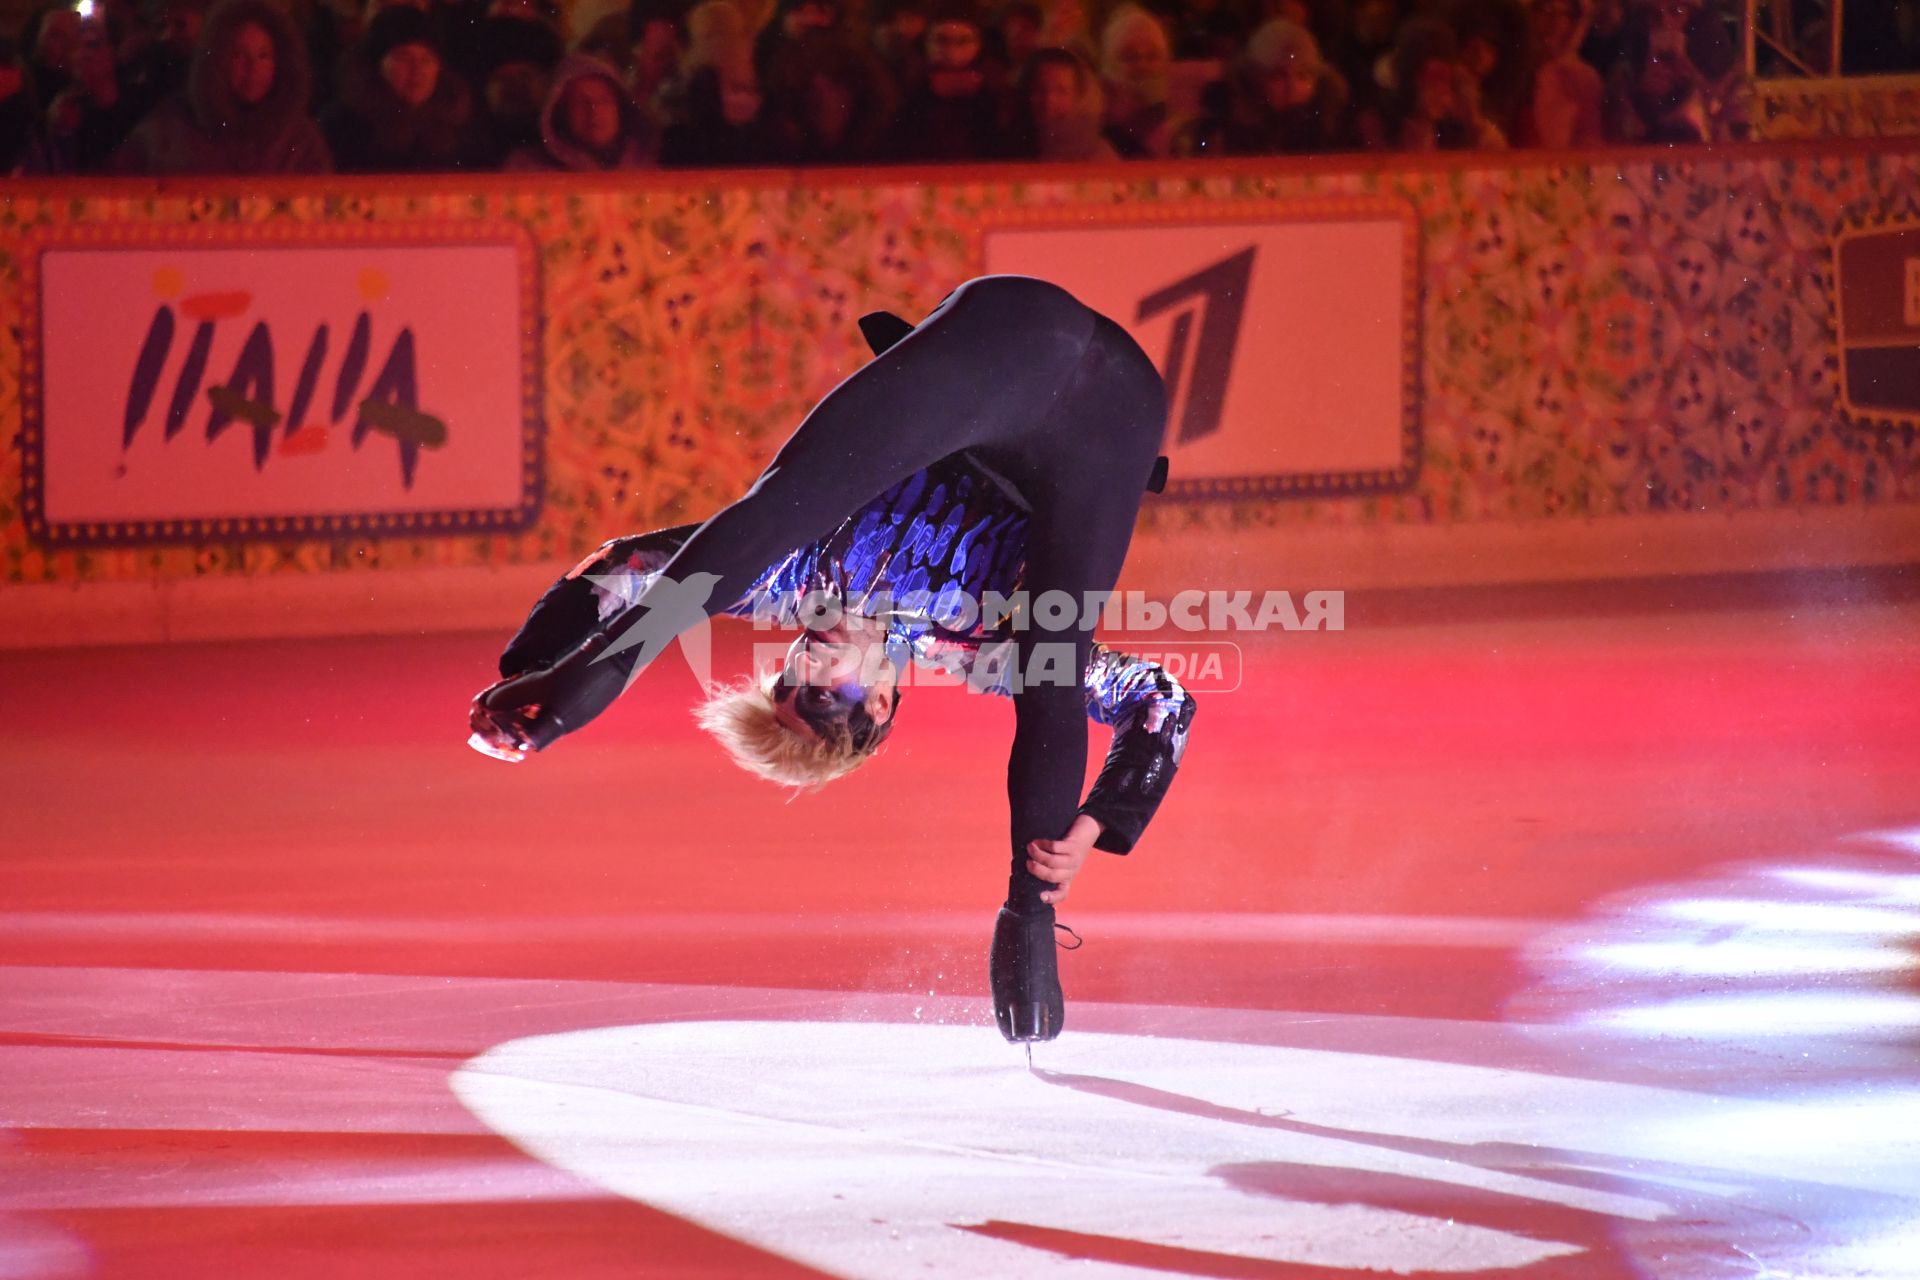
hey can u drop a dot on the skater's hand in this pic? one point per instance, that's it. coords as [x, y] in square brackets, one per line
[1059, 861]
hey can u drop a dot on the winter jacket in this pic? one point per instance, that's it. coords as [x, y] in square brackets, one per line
[201, 129]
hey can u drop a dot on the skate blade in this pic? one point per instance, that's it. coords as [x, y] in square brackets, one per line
[488, 747]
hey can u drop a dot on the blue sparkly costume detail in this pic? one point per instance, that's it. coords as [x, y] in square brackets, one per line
[937, 545]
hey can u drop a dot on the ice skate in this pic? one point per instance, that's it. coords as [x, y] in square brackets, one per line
[1025, 976]
[501, 718]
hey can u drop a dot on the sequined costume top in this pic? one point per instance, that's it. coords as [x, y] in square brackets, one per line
[937, 546]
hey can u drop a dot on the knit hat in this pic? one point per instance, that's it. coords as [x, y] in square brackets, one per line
[399, 24]
[1279, 42]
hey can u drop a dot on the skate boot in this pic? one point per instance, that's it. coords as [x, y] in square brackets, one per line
[1025, 976]
[503, 715]
[496, 733]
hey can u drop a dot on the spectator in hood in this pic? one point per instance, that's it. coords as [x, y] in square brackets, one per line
[401, 107]
[589, 124]
[244, 107]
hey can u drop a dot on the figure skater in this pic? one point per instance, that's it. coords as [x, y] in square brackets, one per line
[1001, 446]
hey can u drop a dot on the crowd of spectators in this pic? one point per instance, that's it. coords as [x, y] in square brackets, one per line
[383, 86]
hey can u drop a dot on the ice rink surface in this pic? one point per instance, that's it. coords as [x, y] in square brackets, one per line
[1550, 932]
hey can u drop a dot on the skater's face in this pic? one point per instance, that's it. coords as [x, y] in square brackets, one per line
[829, 673]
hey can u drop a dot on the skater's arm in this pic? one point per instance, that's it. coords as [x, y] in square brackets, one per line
[1077, 551]
[1148, 710]
[1150, 713]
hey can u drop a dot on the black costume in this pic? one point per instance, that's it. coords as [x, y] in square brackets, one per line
[1002, 443]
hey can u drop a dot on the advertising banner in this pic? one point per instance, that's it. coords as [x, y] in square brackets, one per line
[205, 382]
[1878, 271]
[1286, 333]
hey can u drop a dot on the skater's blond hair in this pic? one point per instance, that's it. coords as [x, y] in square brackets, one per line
[741, 719]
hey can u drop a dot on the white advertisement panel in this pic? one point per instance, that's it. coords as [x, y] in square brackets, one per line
[196, 388]
[1286, 333]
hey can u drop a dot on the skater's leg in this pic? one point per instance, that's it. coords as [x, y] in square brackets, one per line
[563, 618]
[1083, 520]
[1077, 542]
[988, 365]
[569, 612]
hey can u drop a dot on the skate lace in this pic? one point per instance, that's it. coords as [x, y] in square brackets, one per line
[1078, 941]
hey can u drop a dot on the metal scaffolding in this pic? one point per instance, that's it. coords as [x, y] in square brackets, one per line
[1802, 36]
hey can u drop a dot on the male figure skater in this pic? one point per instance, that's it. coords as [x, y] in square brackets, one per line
[1000, 446]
